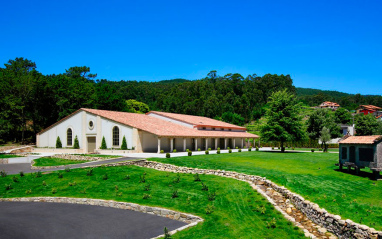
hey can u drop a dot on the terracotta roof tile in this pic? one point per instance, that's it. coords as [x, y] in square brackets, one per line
[369, 107]
[362, 139]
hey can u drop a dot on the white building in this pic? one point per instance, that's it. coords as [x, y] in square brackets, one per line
[151, 132]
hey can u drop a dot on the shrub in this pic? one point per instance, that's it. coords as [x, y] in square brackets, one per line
[166, 233]
[142, 178]
[204, 187]
[8, 186]
[197, 178]
[124, 143]
[21, 174]
[103, 144]
[89, 172]
[210, 209]
[76, 144]
[54, 190]
[147, 187]
[209, 149]
[15, 179]
[29, 191]
[3, 173]
[72, 183]
[228, 148]
[273, 148]
[237, 147]
[312, 150]
[58, 143]
[162, 151]
[207, 152]
[177, 179]
[175, 194]
[239, 150]
[127, 177]
[218, 148]
[146, 196]
[43, 183]
[272, 223]
[320, 149]
[168, 155]
[174, 151]
[292, 148]
[187, 150]
[105, 177]
[230, 151]
[218, 152]
[60, 175]
[249, 149]
[67, 169]
[198, 149]
[38, 174]
[257, 148]
[189, 153]
[211, 196]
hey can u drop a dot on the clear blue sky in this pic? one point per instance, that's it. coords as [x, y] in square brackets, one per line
[334, 45]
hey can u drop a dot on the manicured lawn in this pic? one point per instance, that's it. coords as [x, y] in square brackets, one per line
[306, 149]
[235, 213]
[3, 156]
[99, 155]
[56, 162]
[312, 175]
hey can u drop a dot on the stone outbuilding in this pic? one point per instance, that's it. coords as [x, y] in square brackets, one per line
[151, 132]
[360, 152]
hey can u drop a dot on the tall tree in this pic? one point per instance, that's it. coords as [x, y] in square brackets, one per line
[283, 119]
[343, 116]
[366, 124]
[325, 137]
[319, 119]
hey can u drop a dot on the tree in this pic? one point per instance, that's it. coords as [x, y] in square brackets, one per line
[124, 143]
[366, 124]
[76, 144]
[58, 143]
[342, 116]
[283, 120]
[134, 106]
[103, 144]
[319, 119]
[232, 118]
[325, 137]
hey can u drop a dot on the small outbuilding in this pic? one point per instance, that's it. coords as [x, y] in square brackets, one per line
[361, 151]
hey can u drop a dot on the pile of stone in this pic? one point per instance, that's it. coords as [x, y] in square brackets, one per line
[77, 157]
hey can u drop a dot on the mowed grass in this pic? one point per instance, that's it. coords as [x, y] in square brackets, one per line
[99, 155]
[312, 175]
[4, 156]
[236, 211]
[40, 162]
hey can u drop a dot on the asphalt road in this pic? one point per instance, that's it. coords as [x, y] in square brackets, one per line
[30, 220]
[26, 167]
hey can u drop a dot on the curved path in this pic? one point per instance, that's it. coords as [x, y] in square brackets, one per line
[61, 220]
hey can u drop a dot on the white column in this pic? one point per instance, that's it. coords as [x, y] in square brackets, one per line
[234, 143]
[184, 144]
[206, 143]
[158, 145]
[242, 143]
[216, 143]
[196, 144]
[225, 143]
[171, 145]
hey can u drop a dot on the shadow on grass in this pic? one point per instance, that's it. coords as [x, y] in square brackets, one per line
[286, 152]
[361, 173]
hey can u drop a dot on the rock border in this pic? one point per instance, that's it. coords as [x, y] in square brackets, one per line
[190, 219]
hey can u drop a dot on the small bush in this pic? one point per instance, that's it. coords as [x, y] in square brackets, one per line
[67, 169]
[142, 178]
[209, 149]
[198, 149]
[103, 144]
[58, 143]
[230, 151]
[272, 223]
[28, 191]
[60, 175]
[239, 150]
[105, 177]
[320, 149]
[211, 196]
[127, 177]
[197, 178]
[218, 148]
[21, 174]
[204, 187]
[273, 148]
[177, 179]
[54, 191]
[147, 187]
[89, 172]
[38, 174]
[189, 153]
[228, 148]
[15, 179]
[207, 152]
[76, 144]
[174, 151]
[146, 196]
[237, 147]
[257, 148]
[175, 194]
[124, 143]
[8, 186]
[162, 151]
[43, 183]
[249, 149]
[72, 183]
[168, 155]
[218, 152]
[210, 209]
[312, 150]
[292, 148]
[3, 173]
[166, 233]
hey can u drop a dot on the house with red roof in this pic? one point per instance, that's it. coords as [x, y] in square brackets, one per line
[329, 105]
[150, 132]
[369, 109]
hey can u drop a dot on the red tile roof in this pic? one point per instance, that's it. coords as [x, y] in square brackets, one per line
[328, 103]
[362, 139]
[164, 128]
[369, 107]
[198, 120]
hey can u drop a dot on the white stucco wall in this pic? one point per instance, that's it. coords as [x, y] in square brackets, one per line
[107, 132]
[149, 142]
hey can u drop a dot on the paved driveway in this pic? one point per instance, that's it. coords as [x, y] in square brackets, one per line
[60, 220]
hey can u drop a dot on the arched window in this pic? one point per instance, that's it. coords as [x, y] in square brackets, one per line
[115, 136]
[69, 137]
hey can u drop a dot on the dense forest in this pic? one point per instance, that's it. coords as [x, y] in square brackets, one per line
[32, 101]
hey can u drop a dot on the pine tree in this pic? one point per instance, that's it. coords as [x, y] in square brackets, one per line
[103, 144]
[58, 143]
[124, 143]
[76, 143]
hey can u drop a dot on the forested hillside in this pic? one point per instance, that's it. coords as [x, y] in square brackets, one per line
[32, 101]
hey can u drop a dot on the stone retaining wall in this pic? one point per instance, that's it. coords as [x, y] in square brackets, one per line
[190, 219]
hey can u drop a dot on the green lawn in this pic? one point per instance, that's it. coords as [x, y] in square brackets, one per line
[312, 175]
[235, 213]
[306, 149]
[3, 156]
[56, 162]
[99, 155]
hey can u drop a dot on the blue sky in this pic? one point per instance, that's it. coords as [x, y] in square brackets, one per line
[334, 45]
